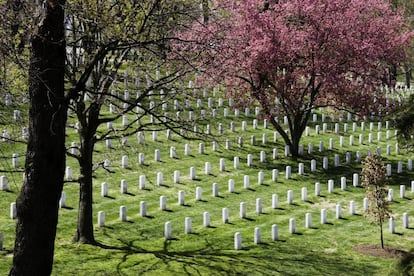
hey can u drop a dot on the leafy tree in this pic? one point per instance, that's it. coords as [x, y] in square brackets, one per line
[404, 122]
[295, 56]
[374, 179]
[104, 41]
[37, 204]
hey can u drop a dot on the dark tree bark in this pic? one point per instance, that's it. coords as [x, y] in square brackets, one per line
[37, 204]
[84, 230]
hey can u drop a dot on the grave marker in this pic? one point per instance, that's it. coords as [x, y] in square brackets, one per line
[237, 241]
[206, 219]
[167, 230]
[143, 209]
[225, 215]
[3, 183]
[275, 234]
[323, 216]
[292, 226]
[257, 235]
[163, 203]
[122, 213]
[187, 225]
[308, 220]
[231, 186]
[242, 209]
[101, 219]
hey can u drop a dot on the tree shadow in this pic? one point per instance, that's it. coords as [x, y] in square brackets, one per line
[252, 259]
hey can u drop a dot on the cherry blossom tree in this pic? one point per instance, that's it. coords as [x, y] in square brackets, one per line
[293, 56]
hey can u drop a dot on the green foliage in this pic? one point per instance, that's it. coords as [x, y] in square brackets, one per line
[374, 179]
[405, 123]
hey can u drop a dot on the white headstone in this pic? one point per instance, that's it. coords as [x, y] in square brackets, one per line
[104, 189]
[392, 225]
[237, 241]
[288, 174]
[304, 194]
[242, 209]
[292, 226]
[159, 178]
[343, 183]
[275, 172]
[206, 219]
[167, 230]
[355, 180]
[101, 219]
[390, 195]
[290, 197]
[124, 162]
[365, 203]
[192, 173]
[231, 186]
[123, 213]
[222, 165]
[330, 186]
[15, 160]
[236, 162]
[323, 216]
[187, 225]
[259, 208]
[163, 203]
[308, 220]
[402, 191]
[275, 232]
[257, 235]
[246, 181]
[405, 221]
[260, 177]
[338, 211]
[157, 157]
[3, 183]
[313, 165]
[352, 207]
[176, 176]
[225, 215]
[143, 209]
[325, 162]
[181, 195]
[62, 200]
[142, 182]
[317, 189]
[275, 201]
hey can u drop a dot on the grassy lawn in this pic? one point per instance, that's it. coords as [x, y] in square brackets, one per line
[138, 246]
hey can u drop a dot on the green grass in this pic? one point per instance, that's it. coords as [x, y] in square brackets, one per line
[138, 247]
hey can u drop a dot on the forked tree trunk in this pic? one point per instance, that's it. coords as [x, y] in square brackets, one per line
[37, 204]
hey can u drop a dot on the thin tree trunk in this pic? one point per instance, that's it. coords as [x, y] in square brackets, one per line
[408, 77]
[84, 231]
[382, 234]
[37, 204]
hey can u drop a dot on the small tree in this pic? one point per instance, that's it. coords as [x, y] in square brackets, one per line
[374, 181]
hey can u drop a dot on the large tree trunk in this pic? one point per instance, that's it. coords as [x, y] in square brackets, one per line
[37, 204]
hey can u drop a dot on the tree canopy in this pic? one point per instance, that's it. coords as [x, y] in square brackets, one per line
[295, 56]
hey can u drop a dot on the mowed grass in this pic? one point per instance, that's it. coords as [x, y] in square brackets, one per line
[138, 246]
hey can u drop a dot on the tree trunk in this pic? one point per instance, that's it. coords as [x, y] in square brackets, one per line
[408, 77]
[381, 233]
[84, 231]
[37, 204]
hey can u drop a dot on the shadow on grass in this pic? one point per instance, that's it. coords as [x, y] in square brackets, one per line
[284, 259]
